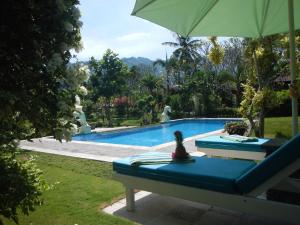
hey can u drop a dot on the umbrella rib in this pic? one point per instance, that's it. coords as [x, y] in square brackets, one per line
[149, 3]
[266, 9]
[202, 18]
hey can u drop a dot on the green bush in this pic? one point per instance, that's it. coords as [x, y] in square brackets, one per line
[21, 186]
[238, 128]
[37, 90]
[227, 112]
[131, 122]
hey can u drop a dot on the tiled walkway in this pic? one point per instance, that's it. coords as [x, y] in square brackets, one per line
[153, 209]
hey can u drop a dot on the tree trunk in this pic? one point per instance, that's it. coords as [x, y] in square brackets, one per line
[261, 116]
[196, 104]
[238, 91]
[253, 127]
[168, 83]
[261, 123]
[107, 111]
[153, 114]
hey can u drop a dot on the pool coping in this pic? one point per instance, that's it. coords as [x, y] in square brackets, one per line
[104, 151]
[155, 147]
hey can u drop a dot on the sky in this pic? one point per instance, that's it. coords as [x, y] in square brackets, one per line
[108, 24]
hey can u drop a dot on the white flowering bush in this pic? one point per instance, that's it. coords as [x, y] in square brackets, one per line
[37, 90]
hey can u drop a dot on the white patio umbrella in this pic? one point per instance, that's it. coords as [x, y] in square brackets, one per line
[228, 18]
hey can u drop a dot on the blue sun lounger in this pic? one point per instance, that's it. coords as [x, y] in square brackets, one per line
[232, 184]
[222, 147]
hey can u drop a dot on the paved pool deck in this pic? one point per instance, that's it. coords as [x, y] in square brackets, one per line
[102, 151]
[154, 209]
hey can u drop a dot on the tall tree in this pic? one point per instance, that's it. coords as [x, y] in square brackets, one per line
[36, 92]
[262, 69]
[167, 65]
[107, 79]
[186, 52]
[234, 63]
[152, 84]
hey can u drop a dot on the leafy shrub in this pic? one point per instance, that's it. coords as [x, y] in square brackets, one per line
[226, 112]
[130, 122]
[21, 186]
[37, 90]
[238, 128]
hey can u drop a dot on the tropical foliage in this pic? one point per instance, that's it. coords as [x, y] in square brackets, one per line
[107, 80]
[264, 64]
[202, 78]
[36, 90]
[206, 78]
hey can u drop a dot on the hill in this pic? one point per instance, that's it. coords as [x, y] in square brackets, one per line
[136, 61]
[142, 63]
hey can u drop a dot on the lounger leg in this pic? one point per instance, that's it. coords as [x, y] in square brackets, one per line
[130, 199]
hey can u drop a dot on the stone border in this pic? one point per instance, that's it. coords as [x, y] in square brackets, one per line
[156, 147]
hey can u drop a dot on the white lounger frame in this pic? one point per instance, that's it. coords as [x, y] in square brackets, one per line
[228, 153]
[249, 203]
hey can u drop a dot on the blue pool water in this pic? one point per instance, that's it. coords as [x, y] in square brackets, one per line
[154, 135]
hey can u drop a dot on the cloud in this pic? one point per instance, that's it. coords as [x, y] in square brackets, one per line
[92, 47]
[133, 37]
[128, 45]
[147, 48]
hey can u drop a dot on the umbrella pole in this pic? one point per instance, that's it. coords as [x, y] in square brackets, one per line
[293, 65]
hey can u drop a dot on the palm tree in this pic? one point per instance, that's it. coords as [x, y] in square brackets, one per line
[186, 51]
[151, 82]
[167, 65]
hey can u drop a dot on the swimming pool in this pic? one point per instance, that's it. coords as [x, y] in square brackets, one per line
[155, 135]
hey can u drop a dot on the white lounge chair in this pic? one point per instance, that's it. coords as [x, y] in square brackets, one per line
[232, 184]
[222, 147]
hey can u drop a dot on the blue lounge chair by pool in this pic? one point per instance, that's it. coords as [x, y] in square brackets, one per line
[232, 184]
[223, 147]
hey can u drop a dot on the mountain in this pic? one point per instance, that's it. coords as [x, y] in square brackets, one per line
[136, 61]
[142, 63]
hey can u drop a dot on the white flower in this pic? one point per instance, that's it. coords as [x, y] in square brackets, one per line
[84, 73]
[77, 100]
[84, 68]
[83, 90]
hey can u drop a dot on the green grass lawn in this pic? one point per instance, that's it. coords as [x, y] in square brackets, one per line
[82, 188]
[278, 126]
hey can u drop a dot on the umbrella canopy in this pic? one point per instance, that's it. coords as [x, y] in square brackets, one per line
[227, 18]
[239, 18]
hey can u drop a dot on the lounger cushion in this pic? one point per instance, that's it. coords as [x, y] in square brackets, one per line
[220, 143]
[209, 173]
[275, 162]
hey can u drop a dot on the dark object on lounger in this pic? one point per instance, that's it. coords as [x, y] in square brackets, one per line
[180, 152]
